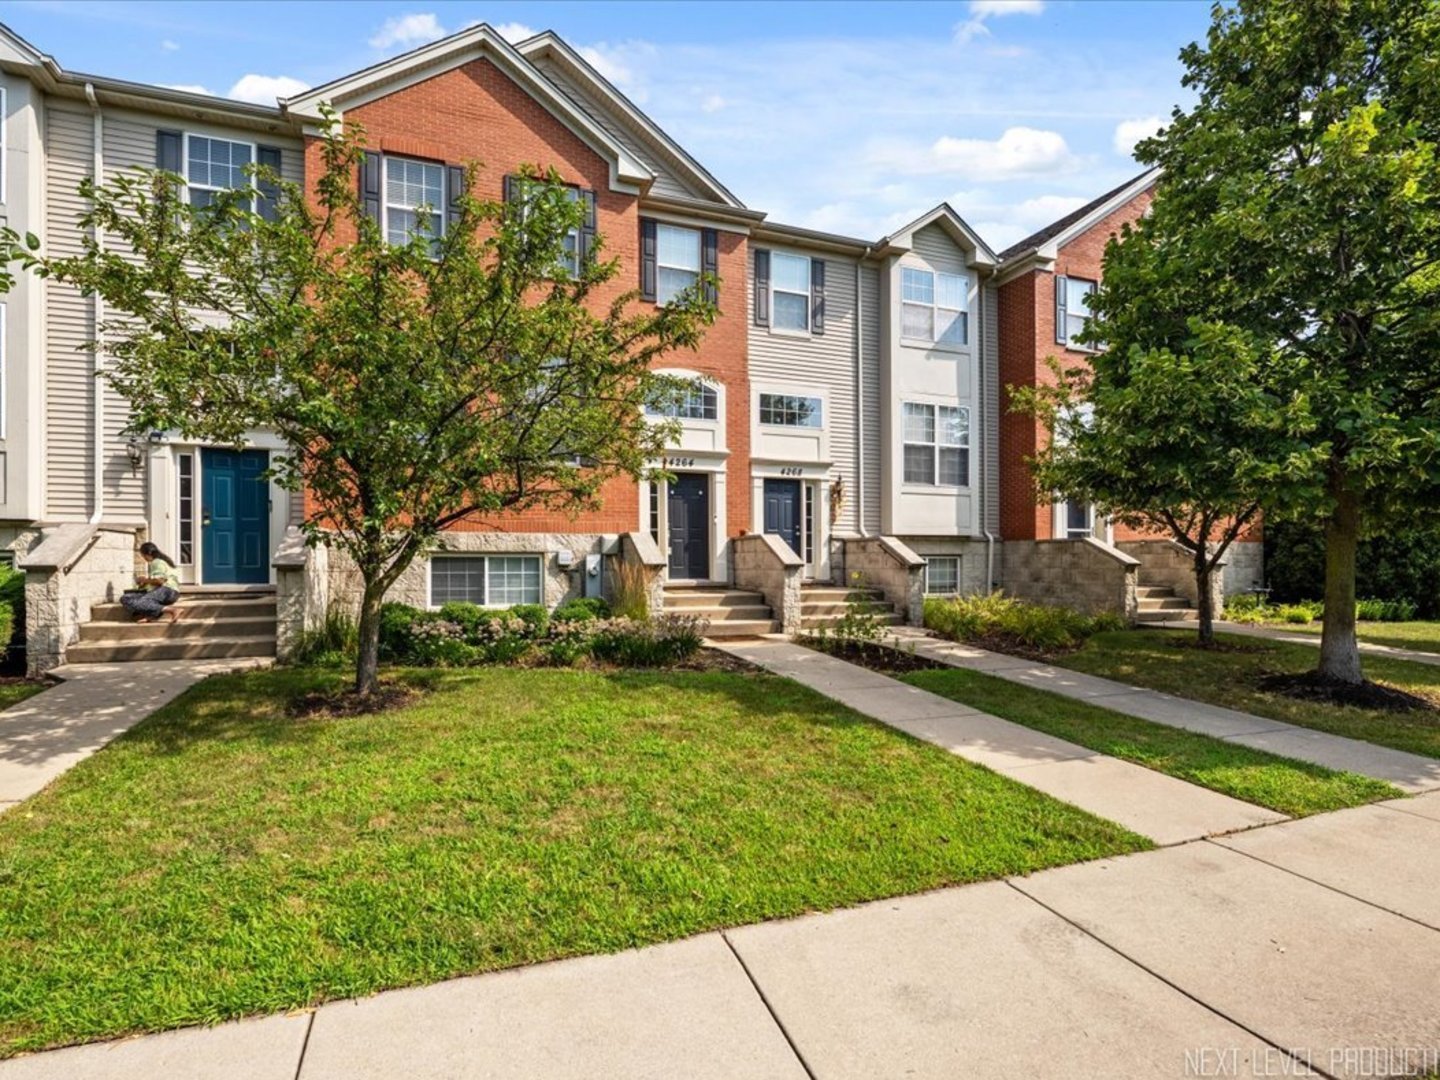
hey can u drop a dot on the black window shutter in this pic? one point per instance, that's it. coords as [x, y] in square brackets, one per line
[269, 205]
[762, 287]
[370, 170]
[647, 259]
[817, 296]
[710, 262]
[508, 189]
[454, 193]
[1061, 333]
[167, 151]
[587, 227]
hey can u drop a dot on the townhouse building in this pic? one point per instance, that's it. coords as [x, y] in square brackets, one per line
[845, 425]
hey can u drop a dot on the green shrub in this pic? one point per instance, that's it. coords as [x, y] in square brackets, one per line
[568, 640]
[1376, 610]
[465, 615]
[535, 617]
[657, 642]
[12, 610]
[437, 642]
[1299, 614]
[582, 609]
[1403, 563]
[994, 615]
[334, 644]
[396, 621]
[501, 637]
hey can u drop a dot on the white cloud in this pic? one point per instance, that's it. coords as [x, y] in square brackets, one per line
[1130, 132]
[609, 62]
[1020, 151]
[169, 46]
[514, 31]
[416, 28]
[712, 103]
[189, 88]
[264, 89]
[983, 10]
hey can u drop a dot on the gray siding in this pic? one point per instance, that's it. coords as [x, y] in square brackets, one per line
[870, 319]
[623, 132]
[935, 247]
[69, 410]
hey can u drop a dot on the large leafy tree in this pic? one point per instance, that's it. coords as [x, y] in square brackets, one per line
[1299, 206]
[454, 377]
[1188, 438]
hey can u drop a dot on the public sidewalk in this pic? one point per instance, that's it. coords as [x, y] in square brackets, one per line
[1411, 773]
[1310, 944]
[51, 731]
[1167, 810]
[1279, 633]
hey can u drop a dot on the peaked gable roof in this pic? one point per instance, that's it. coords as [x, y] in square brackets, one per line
[627, 172]
[944, 216]
[1060, 232]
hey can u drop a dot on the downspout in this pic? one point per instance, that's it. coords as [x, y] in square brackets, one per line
[984, 456]
[860, 395]
[98, 167]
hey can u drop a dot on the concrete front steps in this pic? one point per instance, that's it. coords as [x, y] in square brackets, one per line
[1160, 603]
[733, 613]
[211, 623]
[826, 605]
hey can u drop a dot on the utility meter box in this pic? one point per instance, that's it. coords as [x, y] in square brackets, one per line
[593, 584]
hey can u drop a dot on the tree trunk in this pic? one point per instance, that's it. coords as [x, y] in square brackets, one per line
[1204, 605]
[1339, 652]
[367, 665]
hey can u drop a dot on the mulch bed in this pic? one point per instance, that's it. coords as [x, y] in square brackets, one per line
[875, 657]
[1216, 646]
[345, 703]
[1310, 686]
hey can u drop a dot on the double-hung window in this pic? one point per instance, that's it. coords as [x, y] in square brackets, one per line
[1072, 309]
[215, 165]
[942, 575]
[937, 445]
[525, 189]
[790, 410]
[488, 580]
[414, 200]
[699, 402]
[933, 307]
[790, 292]
[677, 261]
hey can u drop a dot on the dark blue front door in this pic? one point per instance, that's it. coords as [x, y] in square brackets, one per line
[689, 510]
[235, 517]
[782, 511]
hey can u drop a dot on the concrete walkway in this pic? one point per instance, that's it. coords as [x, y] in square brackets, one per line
[1167, 810]
[1279, 633]
[53, 730]
[1411, 773]
[1305, 945]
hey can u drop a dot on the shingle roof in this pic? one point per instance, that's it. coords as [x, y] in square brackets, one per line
[1055, 228]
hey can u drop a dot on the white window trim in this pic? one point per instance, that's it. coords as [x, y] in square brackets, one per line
[694, 422]
[1067, 341]
[185, 151]
[937, 446]
[929, 559]
[791, 331]
[386, 205]
[768, 392]
[4, 147]
[485, 556]
[699, 270]
[576, 194]
[935, 308]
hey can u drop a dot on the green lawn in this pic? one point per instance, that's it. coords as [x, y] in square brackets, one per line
[1419, 636]
[1291, 787]
[1157, 659]
[14, 691]
[222, 859]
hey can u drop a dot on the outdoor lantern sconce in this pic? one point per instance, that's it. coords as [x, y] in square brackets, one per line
[135, 451]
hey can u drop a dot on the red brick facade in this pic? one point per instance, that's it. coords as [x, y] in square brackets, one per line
[1027, 340]
[475, 112]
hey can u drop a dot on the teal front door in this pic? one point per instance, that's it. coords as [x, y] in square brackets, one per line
[234, 517]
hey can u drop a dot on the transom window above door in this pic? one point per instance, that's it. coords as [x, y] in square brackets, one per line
[933, 306]
[677, 261]
[414, 199]
[215, 165]
[699, 401]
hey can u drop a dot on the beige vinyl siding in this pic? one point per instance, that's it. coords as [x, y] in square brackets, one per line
[870, 376]
[938, 251]
[69, 323]
[990, 405]
[666, 185]
[821, 362]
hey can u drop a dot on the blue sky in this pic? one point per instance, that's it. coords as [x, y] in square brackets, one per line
[849, 117]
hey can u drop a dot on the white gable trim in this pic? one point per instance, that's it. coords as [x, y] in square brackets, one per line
[550, 45]
[945, 216]
[1050, 250]
[627, 174]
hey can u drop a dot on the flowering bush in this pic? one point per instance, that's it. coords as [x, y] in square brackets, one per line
[656, 642]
